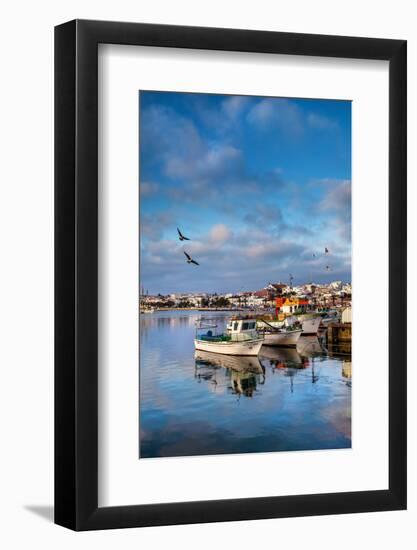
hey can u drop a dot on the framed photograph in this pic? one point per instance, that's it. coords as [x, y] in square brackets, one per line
[230, 244]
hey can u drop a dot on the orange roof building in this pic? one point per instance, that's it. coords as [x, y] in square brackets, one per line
[291, 304]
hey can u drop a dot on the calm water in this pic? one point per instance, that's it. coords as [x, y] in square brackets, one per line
[284, 400]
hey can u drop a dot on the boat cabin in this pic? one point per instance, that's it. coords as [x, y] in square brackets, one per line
[237, 330]
[238, 325]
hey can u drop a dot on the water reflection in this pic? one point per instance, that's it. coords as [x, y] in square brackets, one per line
[341, 348]
[240, 375]
[311, 346]
[343, 351]
[191, 402]
[281, 357]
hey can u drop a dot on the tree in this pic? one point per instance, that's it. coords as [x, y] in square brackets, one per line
[220, 302]
[184, 303]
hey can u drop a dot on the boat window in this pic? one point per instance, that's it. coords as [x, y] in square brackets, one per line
[235, 325]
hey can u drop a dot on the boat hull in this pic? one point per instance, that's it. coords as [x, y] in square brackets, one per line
[310, 326]
[250, 347]
[282, 338]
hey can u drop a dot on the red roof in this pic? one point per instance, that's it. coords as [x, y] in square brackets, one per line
[300, 301]
[262, 293]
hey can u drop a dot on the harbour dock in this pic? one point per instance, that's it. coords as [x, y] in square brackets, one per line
[339, 333]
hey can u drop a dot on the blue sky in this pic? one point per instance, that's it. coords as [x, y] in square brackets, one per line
[260, 185]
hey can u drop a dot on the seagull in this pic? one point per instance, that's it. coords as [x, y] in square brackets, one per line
[326, 250]
[190, 260]
[328, 268]
[181, 236]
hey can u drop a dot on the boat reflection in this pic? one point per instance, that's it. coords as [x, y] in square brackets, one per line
[282, 357]
[310, 346]
[289, 362]
[238, 375]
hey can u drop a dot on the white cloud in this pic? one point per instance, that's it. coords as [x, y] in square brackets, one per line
[272, 113]
[287, 116]
[213, 162]
[337, 197]
[320, 122]
[234, 105]
[148, 188]
[220, 233]
[274, 249]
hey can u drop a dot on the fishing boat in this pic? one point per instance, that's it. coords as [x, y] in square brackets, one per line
[240, 338]
[332, 316]
[310, 323]
[283, 334]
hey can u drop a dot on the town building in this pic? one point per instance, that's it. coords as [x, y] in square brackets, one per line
[291, 304]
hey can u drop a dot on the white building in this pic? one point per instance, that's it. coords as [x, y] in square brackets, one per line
[336, 285]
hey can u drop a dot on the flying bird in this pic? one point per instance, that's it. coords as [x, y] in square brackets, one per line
[326, 250]
[181, 236]
[190, 260]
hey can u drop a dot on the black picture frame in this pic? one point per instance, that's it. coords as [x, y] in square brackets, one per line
[76, 272]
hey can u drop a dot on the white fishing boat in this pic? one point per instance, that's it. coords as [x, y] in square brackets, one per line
[240, 338]
[311, 326]
[285, 333]
[282, 337]
[309, 323]
[331, 317]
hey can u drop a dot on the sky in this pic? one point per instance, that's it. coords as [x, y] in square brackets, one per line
[260, 185]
